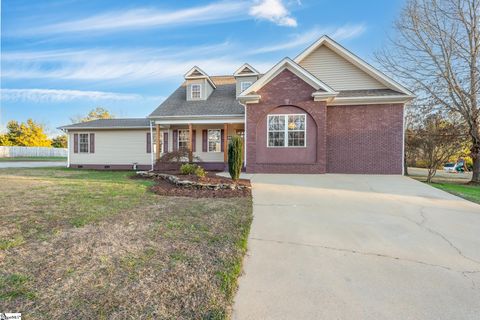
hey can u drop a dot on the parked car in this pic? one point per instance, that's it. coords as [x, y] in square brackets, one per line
[454, 167]
[450, 167]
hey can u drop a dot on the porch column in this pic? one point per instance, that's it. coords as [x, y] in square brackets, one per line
[157, 141]
[190, 143]
[225, 142]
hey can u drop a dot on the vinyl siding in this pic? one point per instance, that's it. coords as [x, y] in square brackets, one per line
[207, 89]
[113, 147]
[337, 72]
[242, 79]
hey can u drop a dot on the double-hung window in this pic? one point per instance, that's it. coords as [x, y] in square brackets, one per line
[83, 142]
[244, 85]
[214, 140]
[183, 137]
[286, 130]
[196, 91]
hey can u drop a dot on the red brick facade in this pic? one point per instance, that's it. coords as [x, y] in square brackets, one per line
[340, 139]
[365, 139]
[284, 94]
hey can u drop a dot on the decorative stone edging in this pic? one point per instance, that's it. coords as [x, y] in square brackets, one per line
[191, 184]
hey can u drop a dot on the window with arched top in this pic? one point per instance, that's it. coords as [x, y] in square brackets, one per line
[286, 130]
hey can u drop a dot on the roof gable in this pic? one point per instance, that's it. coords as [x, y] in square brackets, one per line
[246, 70]
[197, 73]
[334, 62]
[289, 64]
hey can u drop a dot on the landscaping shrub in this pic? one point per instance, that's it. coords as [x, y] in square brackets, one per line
[180, 155]
[191, 168]
[200, 172]
[235, 157]
[188, 168]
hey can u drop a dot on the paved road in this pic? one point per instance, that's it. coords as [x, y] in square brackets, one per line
[359, 247]
[465, 176]
[31, 164]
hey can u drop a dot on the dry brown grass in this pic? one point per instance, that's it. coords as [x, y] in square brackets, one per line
[81, 244]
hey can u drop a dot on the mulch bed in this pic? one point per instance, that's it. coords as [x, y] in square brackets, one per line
[165, 188]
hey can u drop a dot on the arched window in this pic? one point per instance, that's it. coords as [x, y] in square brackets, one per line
[286, 130]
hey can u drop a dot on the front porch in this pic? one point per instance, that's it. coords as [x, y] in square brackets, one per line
[204, 142]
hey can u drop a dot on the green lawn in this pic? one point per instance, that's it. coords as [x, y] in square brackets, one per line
[99, 245]
[469, 192]
[34, 159]
[453, 184]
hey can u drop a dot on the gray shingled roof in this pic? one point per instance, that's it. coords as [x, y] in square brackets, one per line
[110, 123]
[222, 101]
[369, 93]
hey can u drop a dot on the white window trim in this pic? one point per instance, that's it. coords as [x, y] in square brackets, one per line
[178, 137]
[88, 142]
[242, 84]
[285, 145]
[199, 88]
[208, 140]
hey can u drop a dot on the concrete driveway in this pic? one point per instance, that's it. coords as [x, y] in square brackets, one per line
[359, 247]
[31, 164]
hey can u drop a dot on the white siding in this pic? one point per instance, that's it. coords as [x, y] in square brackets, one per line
[207, 88]
[337, 72]
[239, 80]
[114, 147]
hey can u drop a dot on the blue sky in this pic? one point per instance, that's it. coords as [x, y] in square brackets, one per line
[61, 58]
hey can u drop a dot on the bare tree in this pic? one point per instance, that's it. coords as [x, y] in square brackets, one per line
[437, 51]
[437, 140]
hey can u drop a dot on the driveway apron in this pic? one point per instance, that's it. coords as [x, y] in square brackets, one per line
[359, 247]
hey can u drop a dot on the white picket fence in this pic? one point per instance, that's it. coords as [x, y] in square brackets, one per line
[9, 152]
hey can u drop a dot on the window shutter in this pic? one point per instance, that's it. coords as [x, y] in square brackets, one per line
[222, 137]
[175, 140]
[204, 140]
[149, 142]
[75, 143]
[165, 142]
[92, 142]
[194, 140]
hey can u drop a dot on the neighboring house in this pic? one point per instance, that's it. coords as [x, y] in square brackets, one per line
[324, 111]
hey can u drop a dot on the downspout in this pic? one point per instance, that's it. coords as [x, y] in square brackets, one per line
[151, 147]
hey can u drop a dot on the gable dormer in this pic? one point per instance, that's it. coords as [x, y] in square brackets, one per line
[245, 76]
[198, 84]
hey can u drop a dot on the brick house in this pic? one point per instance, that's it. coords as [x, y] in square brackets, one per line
[324, 111]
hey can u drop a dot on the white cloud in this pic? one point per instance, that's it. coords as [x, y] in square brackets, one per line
[273, 10]
[149, 18]
[57, 95]
[150, 65]
[123, 66]
[307, 38]
[348, 32]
